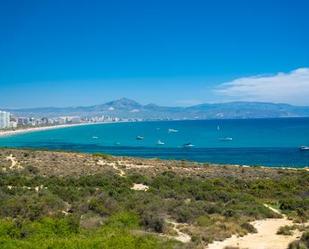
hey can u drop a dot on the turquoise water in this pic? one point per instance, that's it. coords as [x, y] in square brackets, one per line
[269, 142]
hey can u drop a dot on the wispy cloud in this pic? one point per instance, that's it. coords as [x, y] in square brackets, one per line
[292, 88]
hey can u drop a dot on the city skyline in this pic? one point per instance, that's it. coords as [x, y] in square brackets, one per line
[56, 53]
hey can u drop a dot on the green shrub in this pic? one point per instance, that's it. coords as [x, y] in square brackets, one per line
[286, 230]
[153, 222]
[123, 220]
[204, 221]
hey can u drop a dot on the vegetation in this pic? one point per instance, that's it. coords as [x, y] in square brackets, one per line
[303, 243]
[286, 230]
[102, 211]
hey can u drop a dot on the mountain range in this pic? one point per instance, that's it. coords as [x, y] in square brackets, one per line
[127, 108]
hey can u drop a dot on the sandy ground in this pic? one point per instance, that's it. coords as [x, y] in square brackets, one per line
[120, 172]
[140, 187]
[265, 238]
[14, 162]
[182, 237]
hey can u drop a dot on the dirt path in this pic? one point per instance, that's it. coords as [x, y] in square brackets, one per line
[182, 237]
[136, 186]
[113, 165]
[14, 162]
[265, 238]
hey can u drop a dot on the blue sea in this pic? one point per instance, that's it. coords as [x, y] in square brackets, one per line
[268, 142]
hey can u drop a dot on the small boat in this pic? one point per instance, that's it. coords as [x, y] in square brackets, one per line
[172, 130]
[218, 128]
[304, 147]
[226, 139]
[139, 138]
[94, 137]
[188, 145]
[117, 143]
[160, 142]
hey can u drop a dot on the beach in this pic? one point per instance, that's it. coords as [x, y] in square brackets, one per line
[5, 133]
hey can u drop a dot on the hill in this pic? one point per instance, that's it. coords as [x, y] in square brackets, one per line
[74, 200]
[126, 108]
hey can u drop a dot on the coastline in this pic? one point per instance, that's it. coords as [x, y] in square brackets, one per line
[6, 133]
[14, 139]
[145, 160]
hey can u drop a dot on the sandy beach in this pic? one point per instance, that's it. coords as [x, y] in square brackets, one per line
[5, 133]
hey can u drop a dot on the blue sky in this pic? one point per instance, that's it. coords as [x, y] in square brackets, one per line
[68, 53]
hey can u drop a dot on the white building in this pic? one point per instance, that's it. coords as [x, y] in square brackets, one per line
[4, 120]
[13, 124]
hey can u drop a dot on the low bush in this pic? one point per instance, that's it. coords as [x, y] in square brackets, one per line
[286, 230]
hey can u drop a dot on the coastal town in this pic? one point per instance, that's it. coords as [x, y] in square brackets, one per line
[11, 122]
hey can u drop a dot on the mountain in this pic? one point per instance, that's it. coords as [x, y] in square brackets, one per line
[127, 108]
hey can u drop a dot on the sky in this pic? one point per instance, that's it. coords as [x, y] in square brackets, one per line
[168, 52]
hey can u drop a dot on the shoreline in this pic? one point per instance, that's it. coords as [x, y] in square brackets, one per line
[6, 133]
[9, 133]
[199, 164]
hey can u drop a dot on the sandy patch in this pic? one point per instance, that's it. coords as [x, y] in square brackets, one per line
[140, 187]
[182, 237]
[14, 163]
[265, 238]
[113, 165]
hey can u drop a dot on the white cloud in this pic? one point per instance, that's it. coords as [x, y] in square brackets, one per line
[292, 88]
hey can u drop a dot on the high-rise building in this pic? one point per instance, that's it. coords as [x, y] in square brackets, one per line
[4, 120]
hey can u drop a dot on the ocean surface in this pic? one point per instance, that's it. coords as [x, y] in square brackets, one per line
[268, 142]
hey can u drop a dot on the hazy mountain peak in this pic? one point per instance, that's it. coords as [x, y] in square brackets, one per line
[123, 103]
[128, 108]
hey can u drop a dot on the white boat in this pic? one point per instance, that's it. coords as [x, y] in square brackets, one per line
[226, 139]
[94, 137]
[172, 130]
[218, 128]
[304, 147]
[160, 142]
[139, 138]
[188, 145]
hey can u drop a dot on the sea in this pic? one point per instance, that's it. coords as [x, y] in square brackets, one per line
[254, 142]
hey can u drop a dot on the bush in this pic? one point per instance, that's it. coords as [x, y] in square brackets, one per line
[101, 155]
[286, 230]
[124, 220]
[31, 206]
[303, 243]
[153, 222]
[204, 221]
[250, 228]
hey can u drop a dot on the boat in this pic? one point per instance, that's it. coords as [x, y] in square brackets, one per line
[172, 130]
[94, 137]
[218, 128]
[160, 142]
[226, 139]
[188, 145]
[117, 143]
[304, 147]
[139, 138]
